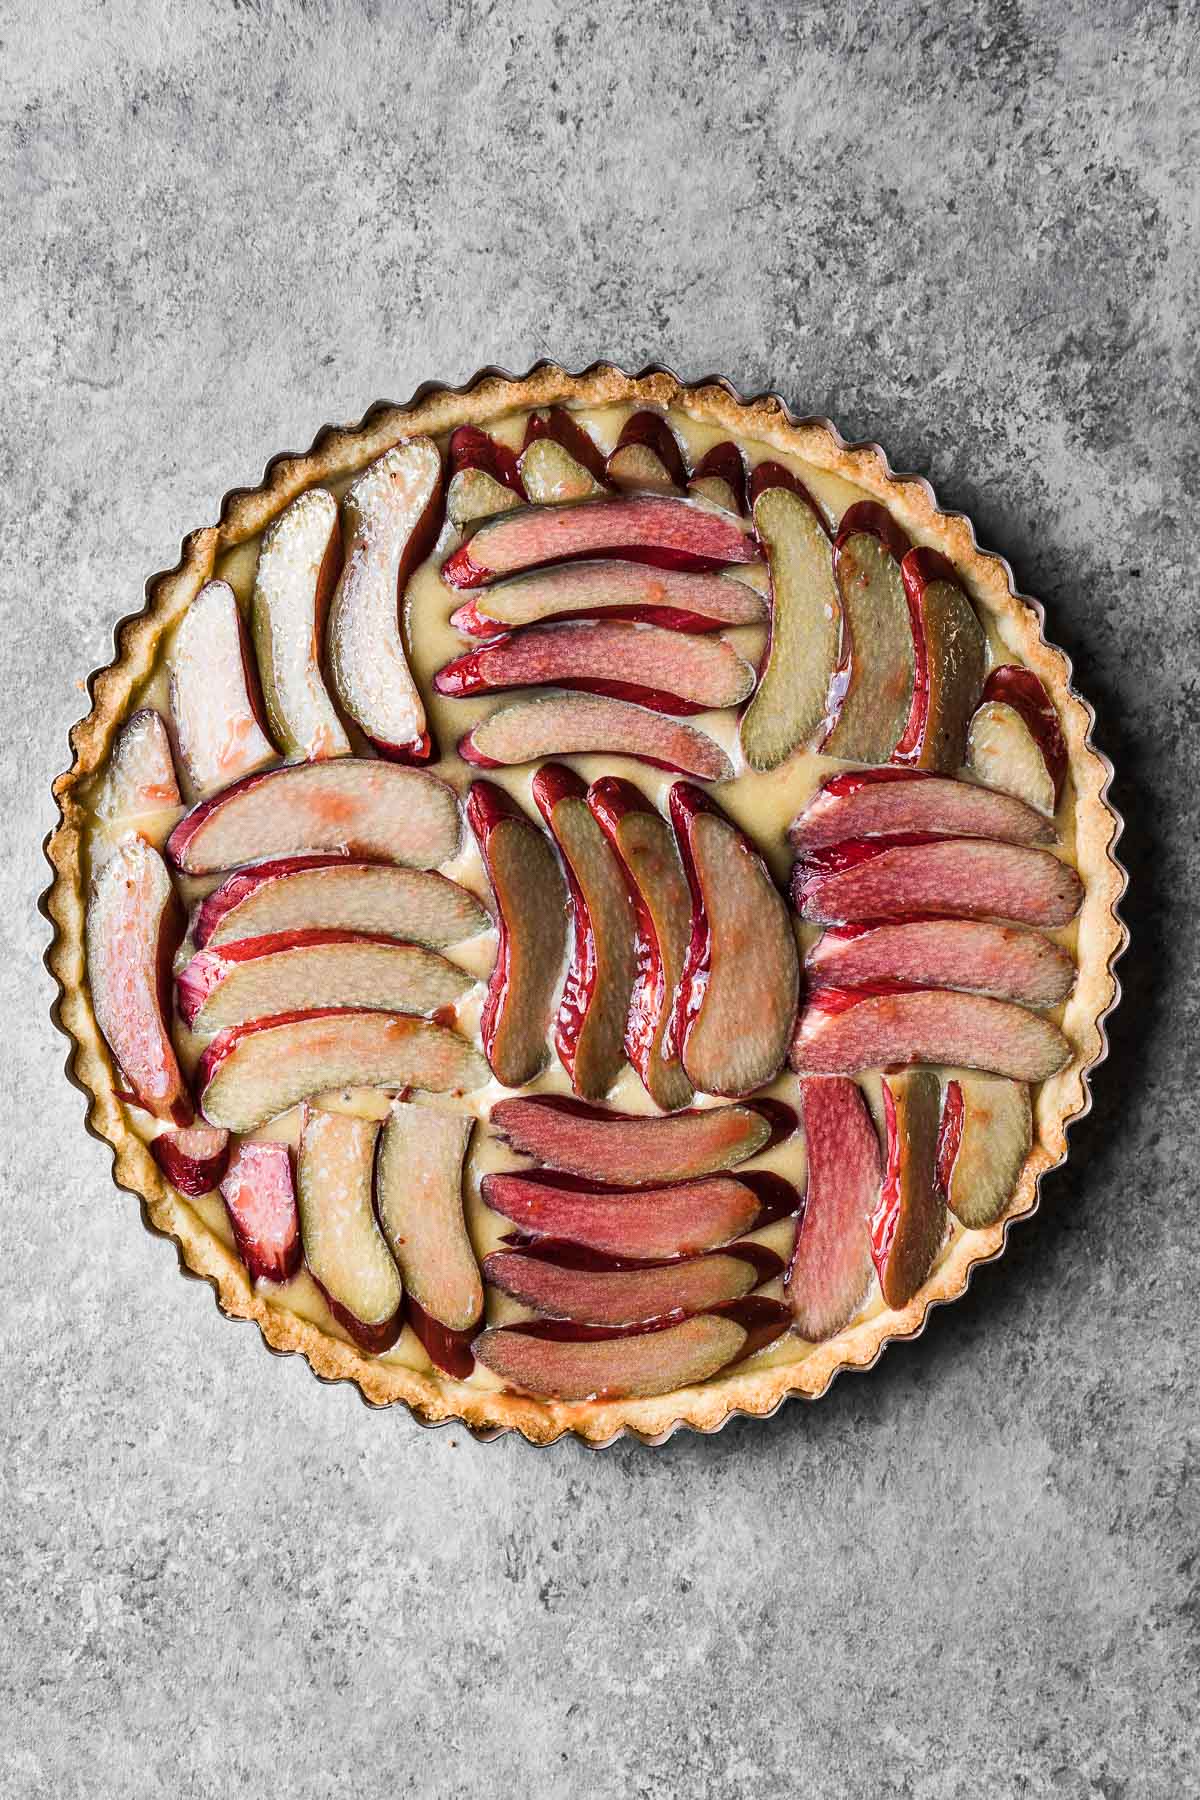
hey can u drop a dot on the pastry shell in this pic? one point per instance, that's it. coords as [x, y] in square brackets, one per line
[339, 450]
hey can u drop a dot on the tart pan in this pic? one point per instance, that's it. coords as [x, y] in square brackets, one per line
[1061, 1102]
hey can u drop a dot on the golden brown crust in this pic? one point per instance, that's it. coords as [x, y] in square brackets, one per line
[338, 452]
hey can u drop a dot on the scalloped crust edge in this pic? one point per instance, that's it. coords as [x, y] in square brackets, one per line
[340, 450]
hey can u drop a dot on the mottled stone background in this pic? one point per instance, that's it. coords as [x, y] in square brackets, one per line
[967, 230]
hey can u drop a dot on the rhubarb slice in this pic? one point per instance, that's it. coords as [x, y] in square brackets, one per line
[343, 1245]
[873, 687]
[252, 1073]
[645, 848]
[309, 971]
[192, 1158]
[582, 724]
[298, 567]
[631, 1151]
[1001, 960]
[968, 878]
[736, 1003]
[566, 1284]
[950, 652]
[647, 1224]
[720, 477]
[986, 1133]
[590, 1027]
[884, 802]
[830, 1272]
[1015, 742]
[802, 648]
[843, 1030]
[217, 730]
[484, 477]
[673, 534]
[260, 1198]
[418, 1194]
[673, 598]
[551, 476]
[349, 807]
[562, 1363]
[331, 893]
[394, 509]
[647, 458]
[140, 779]
[134, 926]
[531, 903]
[672, 671]
[909, 1222]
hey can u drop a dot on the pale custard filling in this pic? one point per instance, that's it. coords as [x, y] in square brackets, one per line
[762, 804]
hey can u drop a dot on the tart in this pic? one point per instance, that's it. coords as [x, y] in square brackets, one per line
[585, 904]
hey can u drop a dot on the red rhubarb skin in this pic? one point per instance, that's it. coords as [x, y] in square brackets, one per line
[949, 1134]
[662, 545]
[208, 968]
[647, 1031]
[686, 802]
[471, 448]
[447, 1348]
[830, 1271]
[486, 807]
[259, 1192]
[192, 1171]
[1020, 688]
[241, 885]
[651, 430]
[471, 674]
[908, 802]
[725, 462]
[558, 424]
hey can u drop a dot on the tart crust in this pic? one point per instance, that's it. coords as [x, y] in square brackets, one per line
[339, 451]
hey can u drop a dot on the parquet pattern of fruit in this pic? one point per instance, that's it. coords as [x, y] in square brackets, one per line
[550, 1074]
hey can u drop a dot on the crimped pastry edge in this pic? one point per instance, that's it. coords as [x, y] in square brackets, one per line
[434, 1399]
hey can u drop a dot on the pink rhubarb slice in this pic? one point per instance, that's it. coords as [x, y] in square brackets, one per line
[672, 671]
[671, 533]
[418, 1196]
[629, 1150]
[214, 703]
[562, 1284]
[647, 1224]
[332, 893]
[1015, 741]
[306, 971]
[133, 928]
[884, 802]
[645, 848]
[872, 690]
[364, 808]
[298, 567]
[843, 1030]
[259, 1192]
[802, 648]
[193, 1157]
[736, 1003]
[720, 477]
[1002, 960]
[394, 508]
[673, 598]
[950, 652]
[874, 878]
[985, 1136]
[908, 1225]
[531, 911]
[140, 779]
[484, 478]
[252, 1073]
[576, 1362]
[581, 724]
[829, 1276]
[590, 1027]
[343, 1245]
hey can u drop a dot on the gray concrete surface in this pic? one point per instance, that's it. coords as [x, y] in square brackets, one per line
[967, 230]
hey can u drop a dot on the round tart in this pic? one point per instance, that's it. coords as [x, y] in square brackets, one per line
[585, 904]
